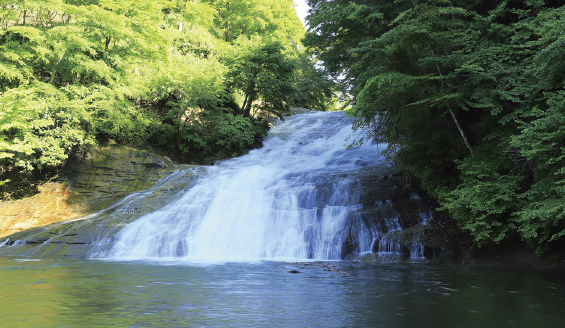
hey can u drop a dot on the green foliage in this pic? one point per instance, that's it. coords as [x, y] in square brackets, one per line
[112, 114]
[41, 124]
[40, 127]
[272, 20]
[542, 143]
[475, 83]
[190, 14]
[237, 133]
[66, 44]
[188, 92]
[484, 199]
[261, 71]
[167, 72]
[315, 90]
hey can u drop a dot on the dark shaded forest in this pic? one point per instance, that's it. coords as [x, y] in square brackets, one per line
[469, 96]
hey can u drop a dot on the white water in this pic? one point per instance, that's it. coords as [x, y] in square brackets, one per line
[268, 204]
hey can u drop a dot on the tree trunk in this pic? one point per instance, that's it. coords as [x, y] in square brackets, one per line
[460, 129]
[108, 39]
[449, 106]
[244, 107]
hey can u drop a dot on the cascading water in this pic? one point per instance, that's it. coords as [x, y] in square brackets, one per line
[295, 198]
[302, 196]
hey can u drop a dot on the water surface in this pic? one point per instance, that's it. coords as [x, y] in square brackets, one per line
[92, 293]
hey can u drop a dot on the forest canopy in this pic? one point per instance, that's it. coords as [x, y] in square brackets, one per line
[191, 76]
[469, 96]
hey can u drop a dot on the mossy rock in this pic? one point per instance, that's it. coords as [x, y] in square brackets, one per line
[103, 175]
[79, 238]
[91, 181]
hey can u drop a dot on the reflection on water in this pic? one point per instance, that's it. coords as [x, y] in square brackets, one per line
[58, 293]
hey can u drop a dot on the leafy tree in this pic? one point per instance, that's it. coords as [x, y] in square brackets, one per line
[66, 44]
[75, 71]
[187, 89]
[260, 70]
[274, 20]
[468, 95]
[237, 133]
[541, 139]
[315, 89]
[40, 126]
[64, 76]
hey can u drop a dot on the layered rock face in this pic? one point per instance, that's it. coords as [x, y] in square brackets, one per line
[49, 206]
[96, 180]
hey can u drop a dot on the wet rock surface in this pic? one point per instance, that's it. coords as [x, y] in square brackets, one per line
[77, 238]
[109, 187]
[49, 205]
[103, 175]
[77, 206]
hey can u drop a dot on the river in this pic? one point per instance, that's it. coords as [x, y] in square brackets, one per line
[93, 293]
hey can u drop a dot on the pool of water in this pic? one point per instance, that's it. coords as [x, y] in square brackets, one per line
[94, 293]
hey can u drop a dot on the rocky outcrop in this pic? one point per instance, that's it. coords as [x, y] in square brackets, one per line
[92, 181]
[50, 205]
[93, 197]
[104, 175]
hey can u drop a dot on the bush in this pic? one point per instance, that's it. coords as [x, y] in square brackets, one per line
[238, 133]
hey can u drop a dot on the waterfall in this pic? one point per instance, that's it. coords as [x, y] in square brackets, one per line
[303, 196]
[296, 198]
